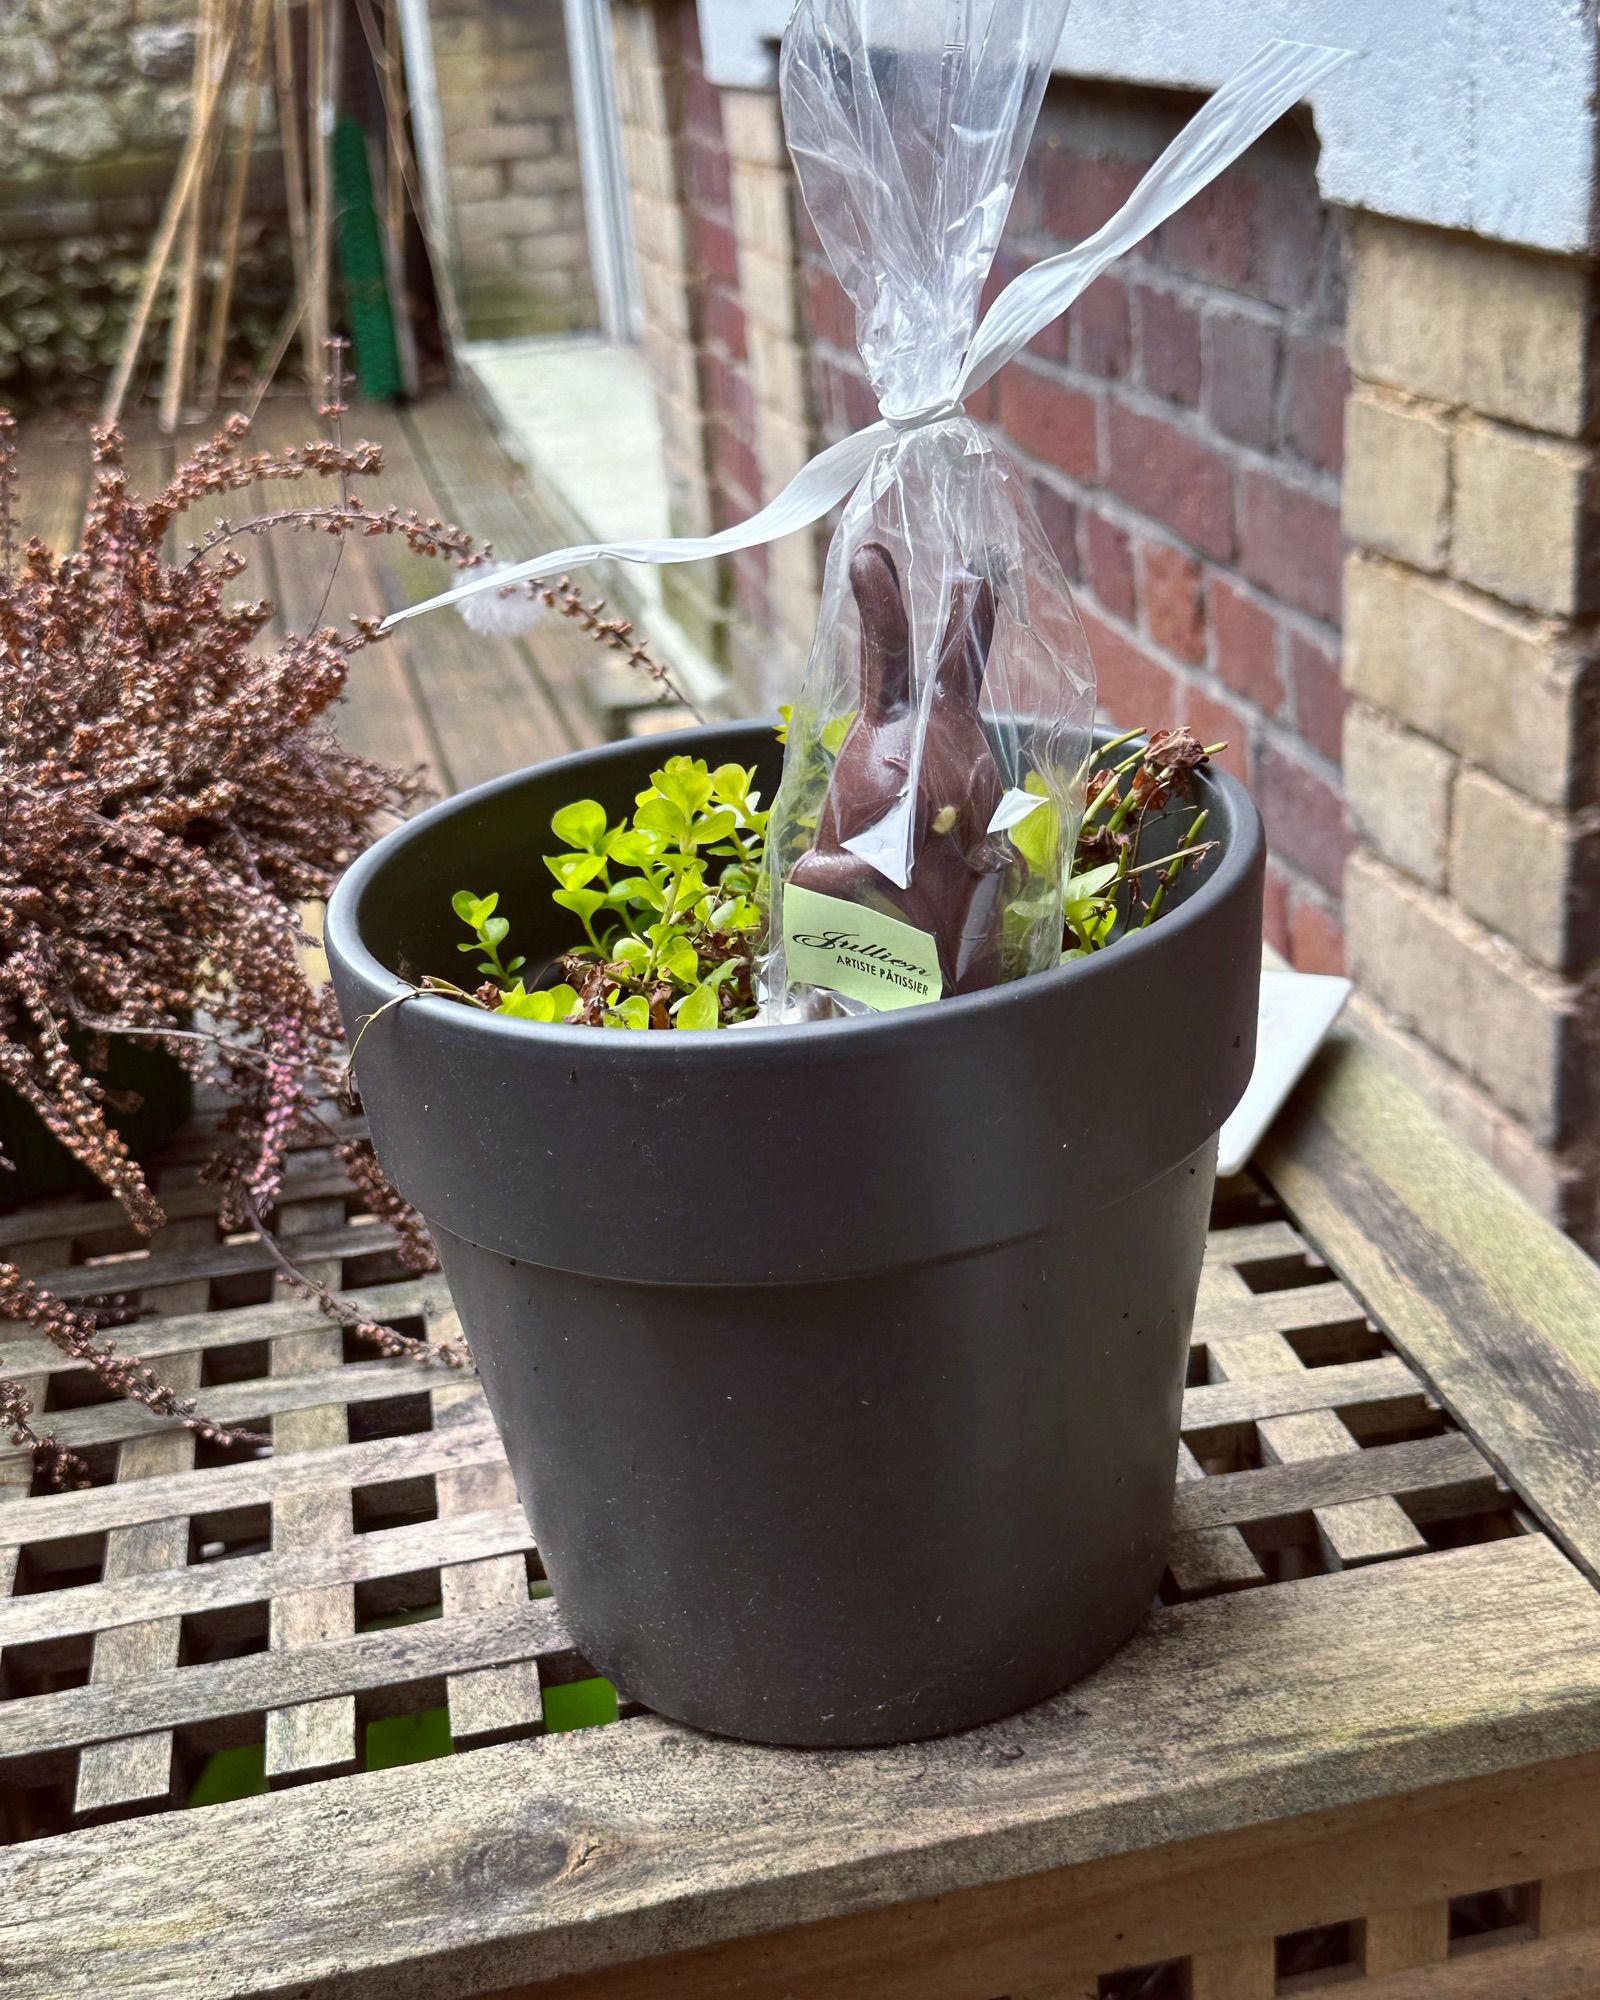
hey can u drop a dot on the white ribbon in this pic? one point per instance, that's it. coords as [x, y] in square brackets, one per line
[1273, 80]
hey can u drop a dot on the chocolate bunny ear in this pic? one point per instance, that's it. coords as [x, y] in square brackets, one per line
[885, 632]
[968, 635]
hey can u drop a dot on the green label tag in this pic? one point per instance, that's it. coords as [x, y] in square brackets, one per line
[879, 960]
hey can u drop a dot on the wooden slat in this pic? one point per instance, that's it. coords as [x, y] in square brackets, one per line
[30, 1372]
[1245, 1971]
[1565, 1903]
[311, 1739]
[246, 1326]
[217, 1586]
[1398, 1940]
[313, 578]
[1245, 1243]
[463, 1436]
[250, 1579]
[1498, 1312]
[358, 1383]
[1349, 1385]
[1283, 1709]
[82, 1221]
[1450, 1471]
[163, 1266]
[134, 1775]
[1203, 1560]
[483, 489]
[1359, 1531]
[496, 1702]
[312, 1675]
[487, 705]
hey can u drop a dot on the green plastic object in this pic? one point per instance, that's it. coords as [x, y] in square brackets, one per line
[240, 1773]
[579, 1705]
[408, 1739]
[366, 282]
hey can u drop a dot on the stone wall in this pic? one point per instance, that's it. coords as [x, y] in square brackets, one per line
[1474, 732]
[94, 103]
[511, 155]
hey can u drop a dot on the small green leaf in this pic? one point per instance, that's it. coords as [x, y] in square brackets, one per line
[633, 889]
[1038, 838]
[497, 930]
[683, 780]
[634, 847]
[713, 826]
[681, 962]
[732, 782]
[582, 902]
[634, 1012]
[664, 816]
[698, 1009]
[581, 825]
[1090, 883]
[572, 871]
[463, 902]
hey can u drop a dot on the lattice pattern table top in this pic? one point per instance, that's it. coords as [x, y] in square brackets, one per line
[165, 1607]
[284, 1606]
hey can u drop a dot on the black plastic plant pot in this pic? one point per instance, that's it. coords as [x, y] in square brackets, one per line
[839, 1365]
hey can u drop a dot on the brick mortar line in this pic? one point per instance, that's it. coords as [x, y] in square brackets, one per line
[1561, 992]
[1192, 673]
[1315, 482]
[1562, 636]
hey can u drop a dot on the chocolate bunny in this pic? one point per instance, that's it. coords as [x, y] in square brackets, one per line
[959, 870]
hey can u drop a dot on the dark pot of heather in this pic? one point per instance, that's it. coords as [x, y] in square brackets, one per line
[839, 1362]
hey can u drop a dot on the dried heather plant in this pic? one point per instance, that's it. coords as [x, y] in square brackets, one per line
[170, 796]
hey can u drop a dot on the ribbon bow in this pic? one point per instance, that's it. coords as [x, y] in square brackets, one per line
[1273, 80]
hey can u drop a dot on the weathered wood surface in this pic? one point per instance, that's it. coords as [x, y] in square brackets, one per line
[315, 1671]
[556, 1856]
[453, 1539]
[1498, 1312]
[1251, 1706]
[464, 1436]
[462, 706]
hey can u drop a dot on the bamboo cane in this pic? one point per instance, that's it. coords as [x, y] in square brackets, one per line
[288, 326]
[185, 181]
[218, 22]
[294, 177]
[392, 89]
[258, 18]
[319, 29]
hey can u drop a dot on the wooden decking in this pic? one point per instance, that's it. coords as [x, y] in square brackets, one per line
[464, 706]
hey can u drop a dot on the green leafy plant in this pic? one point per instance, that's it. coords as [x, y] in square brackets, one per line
[667, 902]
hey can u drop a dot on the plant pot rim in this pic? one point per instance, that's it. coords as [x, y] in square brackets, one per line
[343, 926]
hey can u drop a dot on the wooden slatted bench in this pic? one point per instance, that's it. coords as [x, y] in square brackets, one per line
[1357, 1743]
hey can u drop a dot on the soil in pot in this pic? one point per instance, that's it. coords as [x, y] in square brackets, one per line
[840, 1366]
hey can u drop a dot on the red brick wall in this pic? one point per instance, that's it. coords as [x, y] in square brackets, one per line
[1182, 428]
[718, 318]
